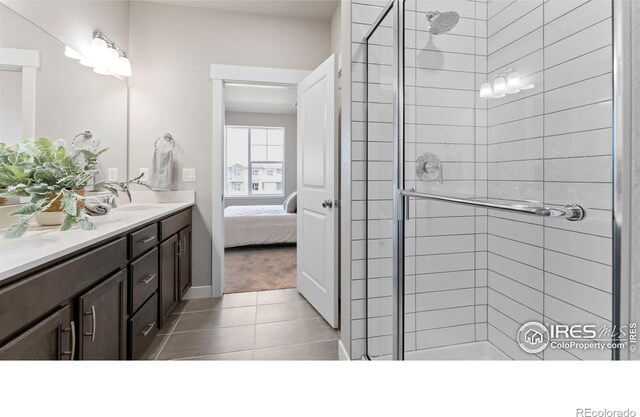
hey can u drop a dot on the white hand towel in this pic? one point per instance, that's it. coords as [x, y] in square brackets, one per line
[161, 170]
[95, 207]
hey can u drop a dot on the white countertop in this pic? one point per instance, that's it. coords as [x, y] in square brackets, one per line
[44, 244]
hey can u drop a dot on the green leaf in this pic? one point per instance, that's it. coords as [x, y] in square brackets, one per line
[67, 222]
[17, 229]
[69, 203]
[87, 224]
[28, 209]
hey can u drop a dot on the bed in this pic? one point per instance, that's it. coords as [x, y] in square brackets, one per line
[258, 225]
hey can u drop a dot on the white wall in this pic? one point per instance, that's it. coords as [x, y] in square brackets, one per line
[289, 122]
[73, 22]
[170, 90]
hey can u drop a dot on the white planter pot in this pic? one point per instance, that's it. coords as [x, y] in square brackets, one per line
[49, 218]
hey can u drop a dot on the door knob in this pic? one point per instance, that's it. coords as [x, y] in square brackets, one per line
[327, 203]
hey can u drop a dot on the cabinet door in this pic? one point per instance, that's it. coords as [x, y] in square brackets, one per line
[51, 339]
[184, 276]
[103, 320]
[168, 277]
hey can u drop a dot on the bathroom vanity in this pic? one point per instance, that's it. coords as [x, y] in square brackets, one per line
[90, 295]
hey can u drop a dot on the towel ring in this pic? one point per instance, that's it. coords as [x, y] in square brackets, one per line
[88, 136]
[168, 138]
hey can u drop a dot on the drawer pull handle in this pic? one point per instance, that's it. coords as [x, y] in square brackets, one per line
[148, 239]
[72, 328]
[150, 277]
[92, 313]
[150, 327]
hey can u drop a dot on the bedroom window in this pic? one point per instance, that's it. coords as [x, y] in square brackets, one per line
[255, 160]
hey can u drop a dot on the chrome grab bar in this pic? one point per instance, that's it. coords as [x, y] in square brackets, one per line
[571, 212]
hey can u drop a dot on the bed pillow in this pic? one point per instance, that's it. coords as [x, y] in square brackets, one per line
[290, 204]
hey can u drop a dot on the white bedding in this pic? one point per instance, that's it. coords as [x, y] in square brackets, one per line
[258, 225]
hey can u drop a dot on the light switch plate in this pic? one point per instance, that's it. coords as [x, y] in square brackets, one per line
[145, 174]
[112, 174]
[188, 175]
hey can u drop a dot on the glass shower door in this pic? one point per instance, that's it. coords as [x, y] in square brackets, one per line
[507, 103]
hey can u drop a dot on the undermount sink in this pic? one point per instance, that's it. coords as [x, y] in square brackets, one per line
[11, 246]
[138, 207]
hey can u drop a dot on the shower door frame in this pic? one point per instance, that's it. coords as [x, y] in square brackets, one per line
[390, 7]
[622, 137]
[621, 181]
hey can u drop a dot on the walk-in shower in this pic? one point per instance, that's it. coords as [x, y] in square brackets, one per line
[490, 185]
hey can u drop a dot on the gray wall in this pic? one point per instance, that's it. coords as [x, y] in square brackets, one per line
[170, 91]
[289, 122]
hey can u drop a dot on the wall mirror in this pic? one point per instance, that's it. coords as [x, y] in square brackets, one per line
[43, 93]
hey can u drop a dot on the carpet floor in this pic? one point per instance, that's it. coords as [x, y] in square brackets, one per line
[259, 268]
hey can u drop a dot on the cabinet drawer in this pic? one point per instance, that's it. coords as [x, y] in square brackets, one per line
[143, 240]
[143, 327]
[25, 301]
[143, 279]
[174, 224]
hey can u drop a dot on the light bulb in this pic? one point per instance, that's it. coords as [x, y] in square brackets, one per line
[72, 53]
[98, 49]
[124, 67]
[101, 70]
[111, 58]
[513, 80]
[485, 90]
[87, 62]
[499, 86]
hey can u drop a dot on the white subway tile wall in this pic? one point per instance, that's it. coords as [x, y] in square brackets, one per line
[551, 145]
[474, 275]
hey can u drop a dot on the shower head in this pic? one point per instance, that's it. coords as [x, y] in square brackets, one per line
[442, 22]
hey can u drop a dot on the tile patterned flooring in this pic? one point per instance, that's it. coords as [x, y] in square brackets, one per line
[266, 325]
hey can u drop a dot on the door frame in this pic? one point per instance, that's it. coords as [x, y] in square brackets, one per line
[219, 75]
[26, 61]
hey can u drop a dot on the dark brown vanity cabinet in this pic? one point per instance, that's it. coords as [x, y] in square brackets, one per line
[103, 325]
[53, 338]
[175, 262]
[104, 302]
[168, 277]
[184, 274]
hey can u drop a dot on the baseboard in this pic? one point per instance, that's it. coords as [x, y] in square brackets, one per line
[343, 355]
[198, 292]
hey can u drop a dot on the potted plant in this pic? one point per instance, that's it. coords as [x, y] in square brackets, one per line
[53, 180]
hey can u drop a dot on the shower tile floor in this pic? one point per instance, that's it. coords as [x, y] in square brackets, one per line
[265, 325]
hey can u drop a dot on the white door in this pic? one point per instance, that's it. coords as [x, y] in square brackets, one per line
[317, 190]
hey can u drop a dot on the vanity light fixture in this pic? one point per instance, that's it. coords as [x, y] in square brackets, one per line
[505, 83]
[104, 56]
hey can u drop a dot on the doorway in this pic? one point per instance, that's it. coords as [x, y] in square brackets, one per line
[260, 187]
[316, 217]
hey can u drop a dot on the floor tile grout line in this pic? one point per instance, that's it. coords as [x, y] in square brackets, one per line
[171, 331]
[262, 348]
[245, 325]
[245, 306]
